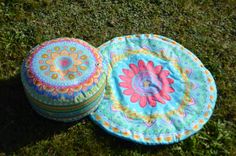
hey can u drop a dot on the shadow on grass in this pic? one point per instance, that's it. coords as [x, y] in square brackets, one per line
[120, 145]
[19, 124]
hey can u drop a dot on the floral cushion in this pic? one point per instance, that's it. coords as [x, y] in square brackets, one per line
[158, 92]
[64, 79]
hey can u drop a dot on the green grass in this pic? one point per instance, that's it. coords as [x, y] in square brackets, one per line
[206, 27]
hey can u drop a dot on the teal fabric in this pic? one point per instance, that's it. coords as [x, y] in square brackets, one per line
[68, 116]
[158, 92]
[64, 78]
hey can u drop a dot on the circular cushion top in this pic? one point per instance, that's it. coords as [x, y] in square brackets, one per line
[158, 92]
[66, 69]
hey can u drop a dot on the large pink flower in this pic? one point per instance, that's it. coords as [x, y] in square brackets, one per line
[146, 83]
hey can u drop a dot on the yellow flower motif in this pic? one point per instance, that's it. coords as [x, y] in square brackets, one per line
[54, 67]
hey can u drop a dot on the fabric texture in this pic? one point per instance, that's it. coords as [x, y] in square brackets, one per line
[157, 92]
[64, 78]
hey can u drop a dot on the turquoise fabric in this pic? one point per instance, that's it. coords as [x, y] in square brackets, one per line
[64, 78]
[158, 92]
[68, 116]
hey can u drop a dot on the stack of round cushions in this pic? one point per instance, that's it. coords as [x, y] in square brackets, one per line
[64, 79]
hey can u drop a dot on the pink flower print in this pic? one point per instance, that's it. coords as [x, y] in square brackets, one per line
[146, 83]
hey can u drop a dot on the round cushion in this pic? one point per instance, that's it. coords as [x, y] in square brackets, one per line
[158, 92]
[64, 79]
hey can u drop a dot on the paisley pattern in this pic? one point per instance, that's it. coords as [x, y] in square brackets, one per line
[157, 91]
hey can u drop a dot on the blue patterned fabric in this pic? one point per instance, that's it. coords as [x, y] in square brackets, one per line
[64, 79]
[157, 92]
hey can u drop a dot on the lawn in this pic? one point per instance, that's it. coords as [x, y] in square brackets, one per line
[205, 27]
